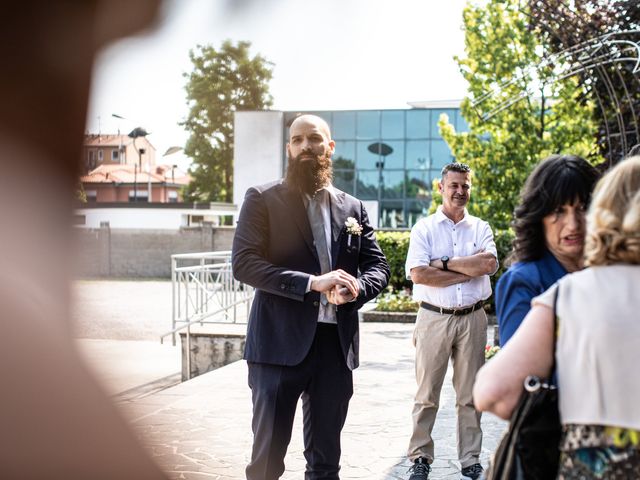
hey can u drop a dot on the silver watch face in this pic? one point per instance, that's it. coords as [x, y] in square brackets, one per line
[444, 259]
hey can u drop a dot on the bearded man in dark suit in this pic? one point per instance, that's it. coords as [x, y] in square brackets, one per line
[310, 252]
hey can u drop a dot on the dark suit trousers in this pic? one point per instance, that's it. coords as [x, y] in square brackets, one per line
[325, 384]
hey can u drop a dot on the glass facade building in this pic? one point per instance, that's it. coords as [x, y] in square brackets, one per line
[391, 156]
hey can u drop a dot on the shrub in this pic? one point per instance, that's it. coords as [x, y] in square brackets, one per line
[396, 302]
[395, 246]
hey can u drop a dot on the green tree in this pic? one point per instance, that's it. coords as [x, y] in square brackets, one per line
[222, 82]
[517, 110]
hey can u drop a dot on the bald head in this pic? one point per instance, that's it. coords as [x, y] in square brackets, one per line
[310, 121]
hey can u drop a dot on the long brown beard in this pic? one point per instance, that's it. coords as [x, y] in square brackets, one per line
[309, 175]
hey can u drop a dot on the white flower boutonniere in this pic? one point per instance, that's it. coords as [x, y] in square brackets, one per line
[353, 228]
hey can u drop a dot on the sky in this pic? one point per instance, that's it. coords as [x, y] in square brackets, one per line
[327, 55]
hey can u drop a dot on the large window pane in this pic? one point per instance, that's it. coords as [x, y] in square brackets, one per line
[417, 209]
[419, 184]
[344, 180]
[435, 118]
[392, 214]
[344, 155]
[396, 158]
[367, 185]
[417, 154]
[368, 124]
[418, 123]
[344, 125]
[393, 183]
[365, 158]
[440, 154]
[393, 124]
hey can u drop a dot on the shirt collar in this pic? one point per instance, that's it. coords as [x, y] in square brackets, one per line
[329, 188]
[441, 217]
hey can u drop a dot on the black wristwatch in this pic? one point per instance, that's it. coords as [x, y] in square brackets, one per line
[444, 261]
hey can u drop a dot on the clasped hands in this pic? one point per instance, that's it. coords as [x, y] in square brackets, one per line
[339, 286]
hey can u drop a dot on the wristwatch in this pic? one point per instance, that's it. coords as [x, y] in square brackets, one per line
[444, 261]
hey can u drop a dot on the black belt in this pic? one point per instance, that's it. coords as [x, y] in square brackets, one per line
[452, 311]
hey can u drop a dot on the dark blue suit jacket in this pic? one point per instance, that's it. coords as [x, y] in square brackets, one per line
[273, 251]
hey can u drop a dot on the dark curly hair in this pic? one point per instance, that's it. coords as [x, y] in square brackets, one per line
[556, 181]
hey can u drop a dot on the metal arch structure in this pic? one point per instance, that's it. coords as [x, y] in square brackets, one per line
[604, 60]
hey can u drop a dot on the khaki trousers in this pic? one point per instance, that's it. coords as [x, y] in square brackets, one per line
[437, 338]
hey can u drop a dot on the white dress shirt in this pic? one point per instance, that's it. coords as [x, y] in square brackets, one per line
[436, 236]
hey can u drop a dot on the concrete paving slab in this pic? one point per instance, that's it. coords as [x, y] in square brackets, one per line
[121, 309]
[202, 428]
[130, 368]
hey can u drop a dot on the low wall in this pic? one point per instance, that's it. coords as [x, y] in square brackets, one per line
[210, 351]
[143, 253]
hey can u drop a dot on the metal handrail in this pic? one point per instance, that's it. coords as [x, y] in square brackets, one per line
[204, 286]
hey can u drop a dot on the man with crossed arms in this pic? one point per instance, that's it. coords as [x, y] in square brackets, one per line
[451, 255]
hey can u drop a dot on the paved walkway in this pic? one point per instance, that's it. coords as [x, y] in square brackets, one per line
[201, 429]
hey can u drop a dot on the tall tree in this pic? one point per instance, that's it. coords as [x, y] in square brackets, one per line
[222, 82]
[595, 32]
[517, 110]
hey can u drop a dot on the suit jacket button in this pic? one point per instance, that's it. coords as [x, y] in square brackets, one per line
[315, 304]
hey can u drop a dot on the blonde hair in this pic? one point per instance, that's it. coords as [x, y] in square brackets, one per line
[613, 221]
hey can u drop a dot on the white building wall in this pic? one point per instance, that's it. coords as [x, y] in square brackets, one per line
[258, 151]
[149, 218]
[134, 218]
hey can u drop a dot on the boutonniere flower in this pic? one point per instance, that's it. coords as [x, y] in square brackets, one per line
[353, 228]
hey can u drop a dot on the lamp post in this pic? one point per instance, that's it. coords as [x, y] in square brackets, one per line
[170, 151]
[381, 149]
[135, 134]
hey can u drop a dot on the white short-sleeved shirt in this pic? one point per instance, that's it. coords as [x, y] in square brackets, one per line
[436, 236]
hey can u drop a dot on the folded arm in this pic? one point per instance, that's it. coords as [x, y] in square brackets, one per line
[435, 277]
[481, 263]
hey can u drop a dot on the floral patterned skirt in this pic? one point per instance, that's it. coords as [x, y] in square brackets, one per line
[597, 452]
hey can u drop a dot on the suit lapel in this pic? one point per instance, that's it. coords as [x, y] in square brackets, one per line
[293, 200]
[338, 217]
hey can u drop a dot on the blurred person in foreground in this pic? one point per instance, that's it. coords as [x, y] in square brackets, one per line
[56, 422]
[598, 333]
[311, 253]
[549, 226]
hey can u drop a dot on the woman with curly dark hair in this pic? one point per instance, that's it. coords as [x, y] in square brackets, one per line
[549, 226]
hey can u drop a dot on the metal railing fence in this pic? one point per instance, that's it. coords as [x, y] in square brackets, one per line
[204, 291]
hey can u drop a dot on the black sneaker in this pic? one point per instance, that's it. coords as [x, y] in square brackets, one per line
[472, 472]
[420, 469]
